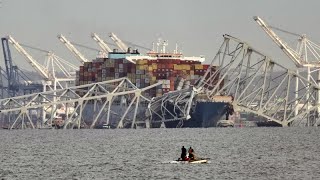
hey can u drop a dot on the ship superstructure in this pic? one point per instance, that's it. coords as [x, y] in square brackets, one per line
[173, 69]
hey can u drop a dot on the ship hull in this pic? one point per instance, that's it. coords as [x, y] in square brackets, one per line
[268, 124]
[205, 114]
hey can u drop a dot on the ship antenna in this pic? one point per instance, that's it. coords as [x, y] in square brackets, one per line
[164, 44]
[176, 48]
[158, 44]
[153, 47]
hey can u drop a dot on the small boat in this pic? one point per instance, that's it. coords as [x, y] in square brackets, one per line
[200, 161]
[225, 123]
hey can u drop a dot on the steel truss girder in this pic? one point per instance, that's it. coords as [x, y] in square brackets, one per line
[260, 85]
[180, 102]
[76, 102]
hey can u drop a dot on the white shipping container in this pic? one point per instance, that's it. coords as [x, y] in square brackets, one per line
[161, 81]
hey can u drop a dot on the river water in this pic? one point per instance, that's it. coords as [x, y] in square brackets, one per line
[235, 153]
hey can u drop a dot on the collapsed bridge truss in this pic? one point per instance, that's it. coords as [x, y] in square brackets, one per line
[114, 103]
[261, 86]
[257, 84]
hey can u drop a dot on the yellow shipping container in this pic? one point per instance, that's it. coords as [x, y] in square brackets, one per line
[154, 66]
[153, 78]
[140, 67]
[187, 67]
[177, 67]
[150, 68]
[198, 66]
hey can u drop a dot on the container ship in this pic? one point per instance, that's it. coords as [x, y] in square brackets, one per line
[155, 66]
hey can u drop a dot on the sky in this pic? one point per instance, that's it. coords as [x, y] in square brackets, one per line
[197, 26]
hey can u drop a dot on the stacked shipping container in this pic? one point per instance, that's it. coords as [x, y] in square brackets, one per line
[144, 73]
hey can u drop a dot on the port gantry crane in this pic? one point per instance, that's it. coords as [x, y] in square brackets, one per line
[51, 79]
[15, 76]
[118, 41]
[123, 47]
[11, 75]
[106, 49]
[74, 50]
[48, 71]
[306, 55]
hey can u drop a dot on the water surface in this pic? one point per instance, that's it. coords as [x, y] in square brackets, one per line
[235, 153]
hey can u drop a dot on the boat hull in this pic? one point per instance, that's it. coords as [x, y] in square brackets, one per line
[202, 161]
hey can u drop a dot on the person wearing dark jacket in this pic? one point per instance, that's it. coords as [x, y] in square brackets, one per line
[183, 153]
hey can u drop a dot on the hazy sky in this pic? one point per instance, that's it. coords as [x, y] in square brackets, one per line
[197, 26]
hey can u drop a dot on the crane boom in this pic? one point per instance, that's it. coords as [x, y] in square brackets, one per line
[283, 46]
[7, 59]
[72, 48]
[10, 69]
[38, 67]
[101, 43]
[119, 43]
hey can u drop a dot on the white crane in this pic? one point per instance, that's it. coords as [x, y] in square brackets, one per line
[48, 72]
[305, 47]
[68, 44]
[101, 43]
[38, 67]
[119, 43]
[300, 56]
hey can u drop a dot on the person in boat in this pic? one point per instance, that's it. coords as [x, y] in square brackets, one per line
[192, 155]
[183, 153]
